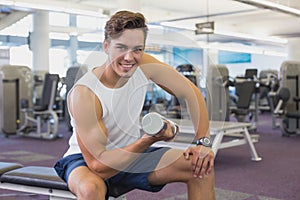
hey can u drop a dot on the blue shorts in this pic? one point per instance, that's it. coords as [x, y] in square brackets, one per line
[135, 176]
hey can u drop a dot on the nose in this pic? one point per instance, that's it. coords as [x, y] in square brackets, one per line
[128, 55]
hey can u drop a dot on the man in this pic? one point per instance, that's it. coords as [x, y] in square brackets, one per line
[108, 154]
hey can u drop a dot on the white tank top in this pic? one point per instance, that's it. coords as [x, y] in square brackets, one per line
[121, 109]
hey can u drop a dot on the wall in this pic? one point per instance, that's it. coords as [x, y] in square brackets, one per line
[261, 62]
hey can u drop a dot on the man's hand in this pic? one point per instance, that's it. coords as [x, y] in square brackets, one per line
[166, 134]
[202, 160]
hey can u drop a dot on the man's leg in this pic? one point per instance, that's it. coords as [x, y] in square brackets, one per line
[86, 185]
[173, 167]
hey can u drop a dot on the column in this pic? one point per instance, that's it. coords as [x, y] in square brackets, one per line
[73, 43]
[293, 49]
[40, 43]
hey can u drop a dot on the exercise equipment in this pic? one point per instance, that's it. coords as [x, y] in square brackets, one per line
[41, 121]
[246, 100]
[36, 180]
[288, 71]
[290, 74]
[278, 102]
[189, 71]
[10, 93]
[244, 91]
[153, 123]
[225, 134]
[290, 122]
[15, 84]
[268, 86]
[250, 73]
[289, 119]
[178, 108]
[217, 92]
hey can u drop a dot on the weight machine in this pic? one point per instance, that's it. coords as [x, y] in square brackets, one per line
[246, 100]
[41, 121]
[290, 72]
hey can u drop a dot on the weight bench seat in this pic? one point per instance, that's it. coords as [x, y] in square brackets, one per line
[34, 179]
[293, 114]
[6, 166]
[35, 176]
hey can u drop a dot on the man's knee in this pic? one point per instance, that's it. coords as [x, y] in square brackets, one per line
[91, 190]
[189, 170]
[86, 185]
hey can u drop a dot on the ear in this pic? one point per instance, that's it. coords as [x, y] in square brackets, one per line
[105, 46]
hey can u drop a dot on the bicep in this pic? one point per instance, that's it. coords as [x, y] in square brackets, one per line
[86, 111]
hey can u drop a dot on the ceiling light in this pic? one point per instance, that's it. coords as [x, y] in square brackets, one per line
[271, 5]
[205, 28]
[7, 3]
[57, 6]
[271, 39]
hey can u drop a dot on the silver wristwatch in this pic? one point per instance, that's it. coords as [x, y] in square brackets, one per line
[205, 141]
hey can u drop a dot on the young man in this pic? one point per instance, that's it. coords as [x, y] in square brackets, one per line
[108, 154]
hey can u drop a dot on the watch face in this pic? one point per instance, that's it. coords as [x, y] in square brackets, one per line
[206, 141]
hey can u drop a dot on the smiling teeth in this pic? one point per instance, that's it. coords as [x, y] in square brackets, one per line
[127, 66]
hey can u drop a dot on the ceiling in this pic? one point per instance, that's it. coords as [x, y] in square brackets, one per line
[230, 17]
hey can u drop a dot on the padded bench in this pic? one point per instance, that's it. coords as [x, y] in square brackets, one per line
[36, 180]
[6, 166]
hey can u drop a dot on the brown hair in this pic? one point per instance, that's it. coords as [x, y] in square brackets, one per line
[122, 20]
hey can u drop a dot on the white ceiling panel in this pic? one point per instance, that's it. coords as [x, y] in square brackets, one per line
[231, 16]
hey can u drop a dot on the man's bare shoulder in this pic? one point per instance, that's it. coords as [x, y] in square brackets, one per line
[82, 100]
[81, 93]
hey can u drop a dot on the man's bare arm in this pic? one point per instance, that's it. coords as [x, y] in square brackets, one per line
[175, 83]
[91, 132]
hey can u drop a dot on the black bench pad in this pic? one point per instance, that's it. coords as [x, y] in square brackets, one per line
[45, 177]
[293, 114]
[7, 166]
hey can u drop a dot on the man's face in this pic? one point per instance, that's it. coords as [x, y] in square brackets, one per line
[125, 52]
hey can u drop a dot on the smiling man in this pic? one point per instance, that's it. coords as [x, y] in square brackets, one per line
[108, 154]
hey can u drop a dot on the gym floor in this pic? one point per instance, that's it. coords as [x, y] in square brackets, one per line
[276, 177]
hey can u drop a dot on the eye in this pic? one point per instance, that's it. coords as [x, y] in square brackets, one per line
[138, 50]
[121, 47]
